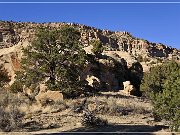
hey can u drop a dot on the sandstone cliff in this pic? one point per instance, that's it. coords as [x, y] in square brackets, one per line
[15, 35]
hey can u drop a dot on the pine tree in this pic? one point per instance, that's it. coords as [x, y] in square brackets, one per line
[161, 85]
[167, 103]
[57, 57]
[153, 82]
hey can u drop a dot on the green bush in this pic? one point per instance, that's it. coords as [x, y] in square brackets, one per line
[167, 103]
[56, 56]
[97, 47]
[161, 85]
[16, 87]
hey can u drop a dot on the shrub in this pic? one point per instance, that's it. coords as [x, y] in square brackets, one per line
[10, 120]
[97, 47]
[10, 116]
[90, 119]
[16, 87]
[56, 56]
[167, 103]
[161, 85]
[153, 81]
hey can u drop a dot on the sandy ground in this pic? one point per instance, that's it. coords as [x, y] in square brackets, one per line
[69, 122]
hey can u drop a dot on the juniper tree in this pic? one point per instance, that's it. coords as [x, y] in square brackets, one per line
[161, 85]
[153, 81]
[97, 47]
[167, 103]
[56, 56]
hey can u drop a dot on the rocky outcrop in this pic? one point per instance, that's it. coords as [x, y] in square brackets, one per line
[106, 73]
[49, 96]
[93, 81]
[122, 50]
[13, 32]
[128, 88]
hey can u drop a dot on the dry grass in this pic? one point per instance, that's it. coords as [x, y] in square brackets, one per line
[10, 115]
[110, 106]
[119, 106]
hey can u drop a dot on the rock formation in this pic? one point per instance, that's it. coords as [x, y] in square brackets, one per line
[122, 50]
[128, 88]
[46, 96]
[12, 33]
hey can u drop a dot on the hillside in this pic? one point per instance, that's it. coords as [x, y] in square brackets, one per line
[110, 99]
[11, 33]
[15, 35]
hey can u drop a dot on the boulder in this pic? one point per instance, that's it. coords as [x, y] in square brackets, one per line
[93, 81]
[128, 88]
[49, 96]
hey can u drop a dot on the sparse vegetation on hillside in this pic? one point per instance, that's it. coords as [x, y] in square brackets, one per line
[97, 47]
[161, 85]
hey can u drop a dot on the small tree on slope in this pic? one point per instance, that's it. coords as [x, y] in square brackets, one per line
[56, 56]
[162, 86]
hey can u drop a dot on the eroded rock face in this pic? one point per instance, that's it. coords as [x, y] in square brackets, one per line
[121, 46]
[106, 73]
[13, 32]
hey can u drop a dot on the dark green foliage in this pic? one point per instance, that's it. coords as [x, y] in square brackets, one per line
[162, 86]
[4, 78]
[56, 56]
[16, 87]
[97, 47]
[154, 81]
[167, 103]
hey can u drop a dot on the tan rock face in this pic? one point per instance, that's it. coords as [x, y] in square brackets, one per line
[49, 96]
[14, 36]
[93, 81]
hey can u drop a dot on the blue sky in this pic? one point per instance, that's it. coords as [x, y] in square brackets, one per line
[155, 22]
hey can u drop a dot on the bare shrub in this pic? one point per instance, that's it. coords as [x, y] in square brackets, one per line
[59, 106]
[10, 116]
[118, 106]
[89, 119]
